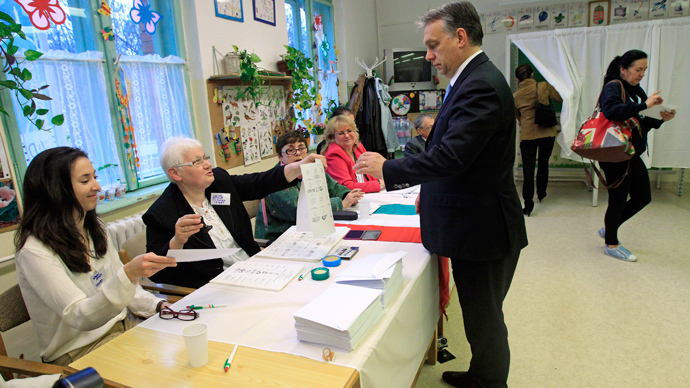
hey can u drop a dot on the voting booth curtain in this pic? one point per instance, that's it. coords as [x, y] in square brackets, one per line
[574, 61]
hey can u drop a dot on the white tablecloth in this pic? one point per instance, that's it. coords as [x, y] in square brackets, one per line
[388, 356]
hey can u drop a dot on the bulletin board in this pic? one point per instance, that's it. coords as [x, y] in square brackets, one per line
[244, 133]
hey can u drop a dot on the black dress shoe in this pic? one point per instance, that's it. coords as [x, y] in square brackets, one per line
[541, 199]
[526, 212]
[458, 379]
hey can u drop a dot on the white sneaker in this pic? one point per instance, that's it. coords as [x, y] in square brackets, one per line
[620, 253]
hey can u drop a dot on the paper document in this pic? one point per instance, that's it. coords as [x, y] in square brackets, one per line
[655, 111]
[293, 245]
[257, 274]
[314, 212]
[186, 255]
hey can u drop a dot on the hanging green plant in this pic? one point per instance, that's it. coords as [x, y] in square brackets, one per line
[17, 76]
[303, 82]
[250, 74]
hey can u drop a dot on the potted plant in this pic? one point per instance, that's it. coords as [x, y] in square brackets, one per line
[303, 90]
[113, 187]
[250, 74]
[317, 130]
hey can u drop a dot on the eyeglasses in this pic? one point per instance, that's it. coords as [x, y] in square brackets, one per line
[426, 127]
[349, 132]
[196, 162]
[293, 151]
[183, 315]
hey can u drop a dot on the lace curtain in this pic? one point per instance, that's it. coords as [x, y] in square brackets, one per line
[77, 88]
[158, 105]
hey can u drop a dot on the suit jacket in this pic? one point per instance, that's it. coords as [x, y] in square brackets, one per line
[469, 207]
[161, 217]
[415, 146]
[340, 168]
[525, 100]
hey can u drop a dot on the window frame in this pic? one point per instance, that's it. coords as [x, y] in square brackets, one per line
[98, 22]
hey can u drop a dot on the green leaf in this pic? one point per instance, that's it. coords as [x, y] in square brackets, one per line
[39, 123]
[42, 97]
[32, 55]
[254, 58]
[26, 75]
[235, 48]
[22, 34]
[2, 110]
[15, 27]
[42, 112]
[6, 17]
[26, 93]
[58, 120]
[12, 49]
[8, 84]
[26, 110]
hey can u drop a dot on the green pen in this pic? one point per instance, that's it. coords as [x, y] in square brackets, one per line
[210, 306]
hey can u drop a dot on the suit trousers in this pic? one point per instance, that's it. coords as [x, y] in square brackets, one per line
[529, 150]
[636, 185]
[482, 286]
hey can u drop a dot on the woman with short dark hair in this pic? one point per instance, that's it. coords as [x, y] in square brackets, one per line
[75, 287]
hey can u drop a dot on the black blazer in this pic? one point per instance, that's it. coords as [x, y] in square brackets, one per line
[161, 217]
[469, 207]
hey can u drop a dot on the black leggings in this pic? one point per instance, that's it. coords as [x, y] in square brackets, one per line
[529, 149]
[621, 209]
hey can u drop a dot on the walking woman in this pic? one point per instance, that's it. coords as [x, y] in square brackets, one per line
[534, 139]
[77, 292]
[634, 193]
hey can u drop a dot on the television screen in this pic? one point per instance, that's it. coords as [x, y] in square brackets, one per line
[410, 66]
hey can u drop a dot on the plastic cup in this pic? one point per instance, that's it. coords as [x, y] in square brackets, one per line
[196, 341]
[363, 208]
[110, 194]
[101, 196]
[121, 190]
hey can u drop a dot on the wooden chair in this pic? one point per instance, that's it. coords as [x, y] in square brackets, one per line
[252, 208]
[12, 314]
[136, 246]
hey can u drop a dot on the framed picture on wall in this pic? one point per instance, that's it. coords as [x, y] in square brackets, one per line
[599, 13]
[265, 11]
[229, 9]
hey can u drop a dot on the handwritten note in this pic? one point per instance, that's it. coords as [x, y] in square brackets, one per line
[260, 275]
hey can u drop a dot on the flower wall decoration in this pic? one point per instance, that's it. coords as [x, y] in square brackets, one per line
[42, 12]
[143, 14]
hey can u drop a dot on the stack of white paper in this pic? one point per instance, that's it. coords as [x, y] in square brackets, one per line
[381, 271]
[340, 316]
[293, 245]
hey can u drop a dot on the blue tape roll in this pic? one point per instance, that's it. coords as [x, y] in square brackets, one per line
[331, 261]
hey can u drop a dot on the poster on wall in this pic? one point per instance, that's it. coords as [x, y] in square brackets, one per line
[657, 9]
[509, 20]
[525, 18]
[639, 9]
[578, 15]
[493, 22]
[678, 8]
[620, 11]
[599, 12]
[542, 17]
[9, 208]
[559, 16]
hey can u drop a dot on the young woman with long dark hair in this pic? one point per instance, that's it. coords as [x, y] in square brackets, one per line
[75, 287]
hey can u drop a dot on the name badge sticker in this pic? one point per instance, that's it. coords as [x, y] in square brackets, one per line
[221, 199]
[97, 278]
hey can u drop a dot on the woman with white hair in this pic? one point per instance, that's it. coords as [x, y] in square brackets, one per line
[202, 209]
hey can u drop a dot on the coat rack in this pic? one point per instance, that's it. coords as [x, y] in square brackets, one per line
[370, 68]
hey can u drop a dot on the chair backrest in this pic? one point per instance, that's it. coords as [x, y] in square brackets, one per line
[252, 207]
[136, 245]
[12, 312]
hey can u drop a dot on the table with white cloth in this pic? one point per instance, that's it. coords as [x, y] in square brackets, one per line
[389, 355]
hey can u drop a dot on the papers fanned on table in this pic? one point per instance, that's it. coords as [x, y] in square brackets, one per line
[257, 274]
[381, 271]
[340, 316]
[293, 245]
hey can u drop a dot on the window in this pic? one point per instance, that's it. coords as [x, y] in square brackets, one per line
[88, 85]
[301, 33]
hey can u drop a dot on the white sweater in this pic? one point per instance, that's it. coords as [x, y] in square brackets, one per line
[71, 310]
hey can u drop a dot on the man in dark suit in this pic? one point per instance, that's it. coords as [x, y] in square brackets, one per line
[422, 124]
[468, 205]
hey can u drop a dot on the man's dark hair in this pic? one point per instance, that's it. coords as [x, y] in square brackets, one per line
[341, 110]
[461, 14]
[289, 137]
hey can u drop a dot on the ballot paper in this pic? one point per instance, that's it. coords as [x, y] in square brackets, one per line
[381, 271]
[294, 245]
[655, 111]
[314, 211]
[186, 255]
[258, 274]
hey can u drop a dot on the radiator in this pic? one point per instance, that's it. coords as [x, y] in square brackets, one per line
[122, 230]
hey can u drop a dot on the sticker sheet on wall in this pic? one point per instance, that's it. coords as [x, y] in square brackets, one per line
[678, 8]
[639, 9]
[509, 20]
[578, 15]
[42, 12]
[559, 15]
[620, 11]
[542, 17]
[658, 9]
[493, 22]
[250, 145]
[525, 18]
